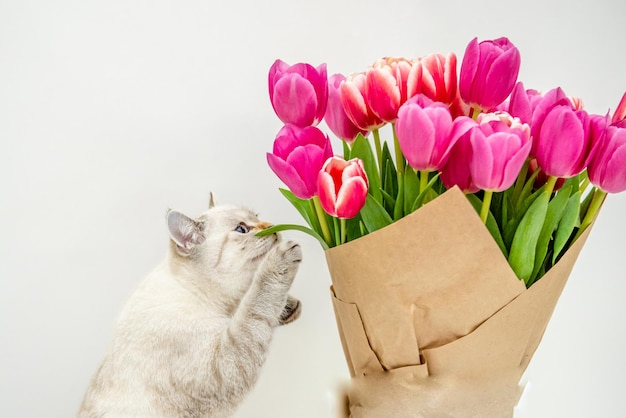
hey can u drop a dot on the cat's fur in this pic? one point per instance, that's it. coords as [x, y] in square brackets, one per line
[192, 338]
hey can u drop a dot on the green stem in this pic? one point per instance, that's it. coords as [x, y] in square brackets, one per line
[379, 150]
[337, 233]
[321, 216]
[550, 184]
[592, 211]
[423, 180]
[484, 210]
[342, 222]
[521, 180]
[399, 156]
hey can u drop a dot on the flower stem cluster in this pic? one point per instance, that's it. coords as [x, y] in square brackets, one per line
[536, 167]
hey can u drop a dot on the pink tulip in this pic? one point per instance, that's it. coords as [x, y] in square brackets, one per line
[336, 117]
[522, 103]
[298, 155]
[564, 141]
[457, 171]
[607, 168]
[389, 83]
[500, 145]
[438, 79]
[353, 94]
[488, 72]
[553, 98]
[424, 130]
[298, 93]
[620, 112]
[342, 187]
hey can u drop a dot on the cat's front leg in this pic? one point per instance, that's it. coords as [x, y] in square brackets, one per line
[271, 284]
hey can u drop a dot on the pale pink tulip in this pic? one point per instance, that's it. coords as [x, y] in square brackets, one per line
[342, 187]
[336, 117]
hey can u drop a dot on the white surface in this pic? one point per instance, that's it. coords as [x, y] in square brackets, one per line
[113, 111]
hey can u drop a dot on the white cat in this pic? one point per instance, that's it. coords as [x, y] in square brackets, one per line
[192, 338]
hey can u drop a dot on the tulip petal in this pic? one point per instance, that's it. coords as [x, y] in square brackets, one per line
[295, 100]
[327, 193]
[383, 94]
[469, 66]
[351, 197]
[288, 175]
[501, 78]
[559, 148]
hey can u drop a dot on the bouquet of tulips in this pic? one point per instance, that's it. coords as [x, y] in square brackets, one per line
[533, 168]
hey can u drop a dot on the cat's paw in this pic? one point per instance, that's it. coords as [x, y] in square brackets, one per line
[284, 260]
[291, 251]
[291, 311]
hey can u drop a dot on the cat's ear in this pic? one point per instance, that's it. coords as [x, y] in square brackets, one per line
[184, 231]
[211, 200]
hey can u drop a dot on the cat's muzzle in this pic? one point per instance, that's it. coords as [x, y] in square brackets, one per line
[291, 312]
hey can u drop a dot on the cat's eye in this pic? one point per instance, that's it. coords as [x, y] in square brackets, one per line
[242, 228]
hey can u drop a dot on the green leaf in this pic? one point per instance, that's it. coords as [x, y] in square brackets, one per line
[569, 221]
[374, 215]
[346, 150]
[553, 217]
[524, 245]
[508, 232]
[426, 195]
[411, 189]
[398, 210]
[389, 182]
[362, 149]
[285, 227]
[492, 225]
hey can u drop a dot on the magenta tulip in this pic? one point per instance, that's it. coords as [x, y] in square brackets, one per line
[298, 93]
[336, 117]
[457, 171]
[488, 72]
[438, 77]
[342, 187]
[607, 168]
[424, 130]
[553, 98]
[389, 83]
[500, 147]
[564, 141]
[298, 156]
[523, 102]
[353, 94]
[620, 112]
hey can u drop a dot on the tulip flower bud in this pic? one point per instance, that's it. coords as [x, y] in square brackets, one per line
[353, 95]
[456, 171]
[620, 112]
[438, 77]
[523, 102]
[425, 133]
[298, 93]
[336, 117]
[564, 142]
[389, 83]
[488, 72]
[500, 147]
[342, 187]
[607, 168]
[298, 155]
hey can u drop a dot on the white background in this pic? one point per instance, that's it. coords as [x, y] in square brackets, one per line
[113, 111]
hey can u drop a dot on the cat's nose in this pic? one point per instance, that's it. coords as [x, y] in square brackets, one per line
[263, 225]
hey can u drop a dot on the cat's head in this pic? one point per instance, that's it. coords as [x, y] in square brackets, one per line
[222, 239]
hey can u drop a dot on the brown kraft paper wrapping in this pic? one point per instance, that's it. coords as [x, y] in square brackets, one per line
[433, 321]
